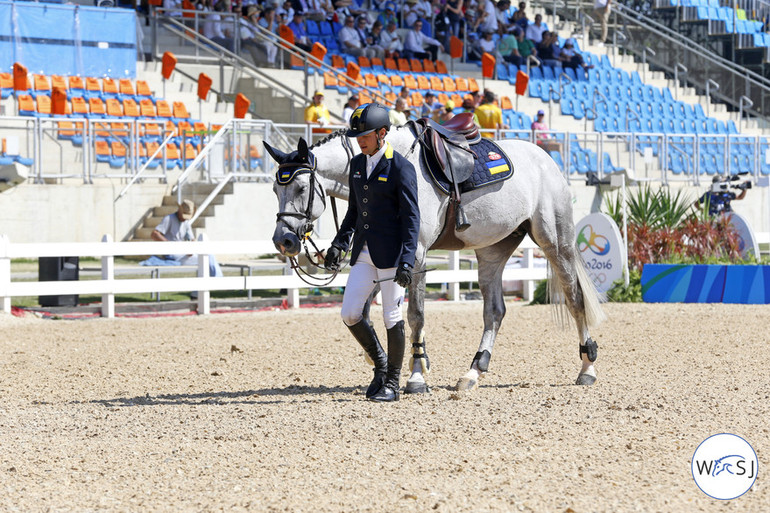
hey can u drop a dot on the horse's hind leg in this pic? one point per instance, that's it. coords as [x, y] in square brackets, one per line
[492, 262]
[577, 289]
[419, 364]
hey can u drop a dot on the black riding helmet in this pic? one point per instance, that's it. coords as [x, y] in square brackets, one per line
[368, 118]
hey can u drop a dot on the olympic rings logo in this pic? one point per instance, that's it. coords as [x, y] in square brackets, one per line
[598, 278]
[587, 239]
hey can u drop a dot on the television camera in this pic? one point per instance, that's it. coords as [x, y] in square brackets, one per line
[725, 183]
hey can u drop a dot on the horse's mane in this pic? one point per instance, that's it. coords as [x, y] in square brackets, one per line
[339, 133]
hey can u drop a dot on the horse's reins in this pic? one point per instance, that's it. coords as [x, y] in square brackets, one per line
[307, 215]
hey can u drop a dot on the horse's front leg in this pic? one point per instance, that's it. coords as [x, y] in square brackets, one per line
[419, 364]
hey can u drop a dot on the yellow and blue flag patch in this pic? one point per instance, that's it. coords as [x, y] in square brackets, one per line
[496, 163]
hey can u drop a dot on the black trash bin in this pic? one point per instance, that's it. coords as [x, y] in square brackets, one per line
[59, 269]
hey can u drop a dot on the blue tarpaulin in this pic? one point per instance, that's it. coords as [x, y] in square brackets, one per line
[68, 40]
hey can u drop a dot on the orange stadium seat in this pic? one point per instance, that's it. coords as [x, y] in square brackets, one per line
[423, 83]
[199, 126]
[456, 99]
[338, 62]
[441, 68]
[118, 150]
[146, 108]
[6, 81]
[417, 99]
[505, 103]
[436, 84]
[58, 81]
[41, 83]
[428, 66]
[66, 129]
[79, 107]
[44, 105]
[96, 106]
[330, 80]
[403, 66]
[396, 81]
[390, 64]
[472, 85]
[110, 88]
[25, 104]
[449, 85]
[215, 128]
[184, 129]
[130, 108]
[172, 151]
[383, 79]
[170, 128]
[377, 62]
[152, 147]
[163, 109]
[76, 86]
[189, 152]
[92, 85]
[102, 130]
[462, 84]
[364, 62]
[102, 150]
[391, 97]
[371, 81]
[113, 108]
[180, 111]
[410, 82]
[142, 89]
[119, 130]
[126, 87]
[442, 98]
[149, 130]
[364, 98]
[416, 66]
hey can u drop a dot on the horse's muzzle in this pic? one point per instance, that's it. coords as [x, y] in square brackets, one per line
[287, 244]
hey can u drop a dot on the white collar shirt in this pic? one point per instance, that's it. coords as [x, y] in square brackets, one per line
[373, 160]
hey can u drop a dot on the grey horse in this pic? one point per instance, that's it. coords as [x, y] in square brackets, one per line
[535, 201]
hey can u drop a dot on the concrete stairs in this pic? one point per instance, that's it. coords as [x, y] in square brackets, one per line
[196, 192]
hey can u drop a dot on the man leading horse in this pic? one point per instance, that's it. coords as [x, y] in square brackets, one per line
[383, 219]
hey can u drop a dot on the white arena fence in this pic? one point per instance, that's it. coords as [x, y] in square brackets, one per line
[109, 284]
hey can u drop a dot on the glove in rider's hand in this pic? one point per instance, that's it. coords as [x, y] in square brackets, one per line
[404, 275]
[333, 258]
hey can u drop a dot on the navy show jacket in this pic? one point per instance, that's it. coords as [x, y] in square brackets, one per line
[382, 211]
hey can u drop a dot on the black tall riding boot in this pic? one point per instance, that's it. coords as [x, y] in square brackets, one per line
[396, 344]
[367, 337]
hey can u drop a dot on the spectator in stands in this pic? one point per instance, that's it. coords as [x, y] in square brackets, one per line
[548, 51]
[416, 40]
[602, 12]
[539, 128]
[345, 8]
[570, 58]
[249, 39]
[316, 10]
[350, 107]
[176, 227]
[484, 45]
[535, 30]
[501, 13]
[416, 10]
[351, 41]
[525, 46]
[508, 46]
[398, 114]
[374, 40]
[267, 22]
[476, 98]
[173, 7]
[520, 16]
[441, 24]
[455, 10]
[391, 41]
[213, 28]
[404, 93]
[469, 105]
[388, 15]
[489, 21]
[362, 27]
[489, 115]
[429, 105]
[317, 113]
[297, 26]
[446, 113]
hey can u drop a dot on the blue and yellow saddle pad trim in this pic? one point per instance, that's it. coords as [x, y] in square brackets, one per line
[492, 165]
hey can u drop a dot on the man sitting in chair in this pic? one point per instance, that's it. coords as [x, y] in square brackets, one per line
[176, 227]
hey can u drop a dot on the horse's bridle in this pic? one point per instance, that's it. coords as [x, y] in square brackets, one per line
[285, 174]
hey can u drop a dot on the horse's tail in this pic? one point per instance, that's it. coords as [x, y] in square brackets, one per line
[594, 314]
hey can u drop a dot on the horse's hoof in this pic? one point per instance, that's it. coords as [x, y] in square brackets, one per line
[466, 384]
[585, 379]
[416, 387]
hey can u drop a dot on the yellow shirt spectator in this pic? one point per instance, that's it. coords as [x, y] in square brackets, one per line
[317, 113]
[490, 116]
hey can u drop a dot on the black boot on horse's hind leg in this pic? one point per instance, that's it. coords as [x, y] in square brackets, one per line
[367, 337]
[396, 344]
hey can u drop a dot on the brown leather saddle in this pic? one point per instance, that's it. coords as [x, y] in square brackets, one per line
[448, 148]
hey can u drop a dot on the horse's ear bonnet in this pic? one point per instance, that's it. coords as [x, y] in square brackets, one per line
[288, 170]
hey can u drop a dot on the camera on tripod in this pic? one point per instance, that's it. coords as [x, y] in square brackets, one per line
[725, 183]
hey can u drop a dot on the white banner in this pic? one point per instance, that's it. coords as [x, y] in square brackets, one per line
[749, 245]
[601, 246]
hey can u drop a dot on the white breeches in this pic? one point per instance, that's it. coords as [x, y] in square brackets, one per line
[360, 285]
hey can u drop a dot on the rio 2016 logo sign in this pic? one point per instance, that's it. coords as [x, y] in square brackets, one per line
[598, 240]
